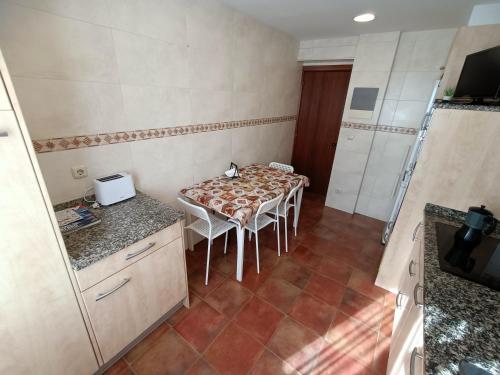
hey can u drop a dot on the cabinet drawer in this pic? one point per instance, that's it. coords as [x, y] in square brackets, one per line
[127, 303]
[106, 267]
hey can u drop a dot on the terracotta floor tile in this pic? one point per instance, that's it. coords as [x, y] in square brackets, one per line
[319, 245]
[325, 289]
[296, 345]
[387, 321]
[181, 313]
[119, 368]
[259, 318]
[269, 364]
[364, 283]
[335, 269]
[305, 257]
[390, 300]
[201, 325]
[293, 273]
[233, 352]
[251, 279]
[228, 298]
[146, 343]
[224, 263]
[350, 336]
[201, 367]
[334, 362]
[197, 281]
[169, 355]
[313, 313]
[279, 293]
[381, 356]
[362, 308]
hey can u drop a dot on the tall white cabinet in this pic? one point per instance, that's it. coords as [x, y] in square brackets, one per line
[42, 329]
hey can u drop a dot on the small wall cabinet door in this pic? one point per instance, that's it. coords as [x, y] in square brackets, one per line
[124, 305]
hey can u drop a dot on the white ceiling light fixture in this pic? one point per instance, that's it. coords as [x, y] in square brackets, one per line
[365, 17]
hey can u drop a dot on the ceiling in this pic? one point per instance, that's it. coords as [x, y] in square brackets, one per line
[311, 19]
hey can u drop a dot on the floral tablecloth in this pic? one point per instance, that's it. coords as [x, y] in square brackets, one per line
[239, 198]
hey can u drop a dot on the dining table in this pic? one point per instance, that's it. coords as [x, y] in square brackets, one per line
[238, 198]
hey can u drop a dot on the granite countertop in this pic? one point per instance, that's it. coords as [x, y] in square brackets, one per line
[467, 107]
[461, 318]
[122, 224]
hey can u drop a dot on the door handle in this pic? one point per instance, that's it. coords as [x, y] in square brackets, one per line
[4, 134]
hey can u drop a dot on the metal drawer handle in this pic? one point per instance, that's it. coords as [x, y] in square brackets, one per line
[410, 268]
[100, 296]
[415, 295]
[414, 354]
[415, 231]
[4, 134]
[398, 299]
[132, 255]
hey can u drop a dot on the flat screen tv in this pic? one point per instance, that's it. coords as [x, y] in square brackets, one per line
[480, 77]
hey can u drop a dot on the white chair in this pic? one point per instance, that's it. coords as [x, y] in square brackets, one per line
[283, 167]
[261, 220]
[283, 209]
[208, 226]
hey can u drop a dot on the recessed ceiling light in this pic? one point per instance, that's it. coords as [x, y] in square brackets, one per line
[365, 17]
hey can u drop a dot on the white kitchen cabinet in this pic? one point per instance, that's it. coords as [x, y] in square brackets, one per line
[406, 353]
[124, 305]
[42, 329]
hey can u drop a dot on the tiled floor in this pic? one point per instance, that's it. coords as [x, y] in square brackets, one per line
[314, 310]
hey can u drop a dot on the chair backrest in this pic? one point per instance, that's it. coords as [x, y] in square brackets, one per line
[283, 167]
[194, 209]
[269, 205]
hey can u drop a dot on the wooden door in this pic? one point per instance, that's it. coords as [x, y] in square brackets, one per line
[324, 90]
[42, 330]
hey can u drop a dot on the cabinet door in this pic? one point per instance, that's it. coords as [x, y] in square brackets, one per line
[42, 330]
[124, 305]
[407, 345]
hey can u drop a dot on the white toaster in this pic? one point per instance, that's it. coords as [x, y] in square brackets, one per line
[114, 188]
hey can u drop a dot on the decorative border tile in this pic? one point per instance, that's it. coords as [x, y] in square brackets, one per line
[381, 128]
[83, 141]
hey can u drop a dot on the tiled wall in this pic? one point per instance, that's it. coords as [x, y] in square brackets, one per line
[370, 155]
[371, 68]
[104, 66]
[417, 65]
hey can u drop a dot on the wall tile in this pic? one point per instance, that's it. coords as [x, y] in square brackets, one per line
[155, 107]
[210, 68]
[210, 106]
[355, 140]
[349, 162]
[419, 85]
[395, 85]
[375, 57]
[57, 108]
[209, 25]
[387, 112]
[165, 20]
[405, 50]
[409, 113]
[431, 50]
[142, 60]
[94, 11]
[64, 48]
[246, 105]
[211, 146]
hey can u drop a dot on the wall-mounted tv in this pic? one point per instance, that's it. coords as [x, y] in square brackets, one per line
[480, 77]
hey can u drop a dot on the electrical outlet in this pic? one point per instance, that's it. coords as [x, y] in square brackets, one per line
[79, 171]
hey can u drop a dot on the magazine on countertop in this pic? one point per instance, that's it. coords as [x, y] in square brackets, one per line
[75, 218]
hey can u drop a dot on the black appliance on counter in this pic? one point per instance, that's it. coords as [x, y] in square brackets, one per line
[480, 77]
[470, 252]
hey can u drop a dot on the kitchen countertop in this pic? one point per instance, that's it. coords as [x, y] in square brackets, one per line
[461, 318]
[467, 107]
[122, 224]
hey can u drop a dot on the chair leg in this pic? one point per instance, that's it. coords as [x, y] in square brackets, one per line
[249, 235]
[278, 234]
[286, 234]
[208, 261]
[225, 243]
[257, 250]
